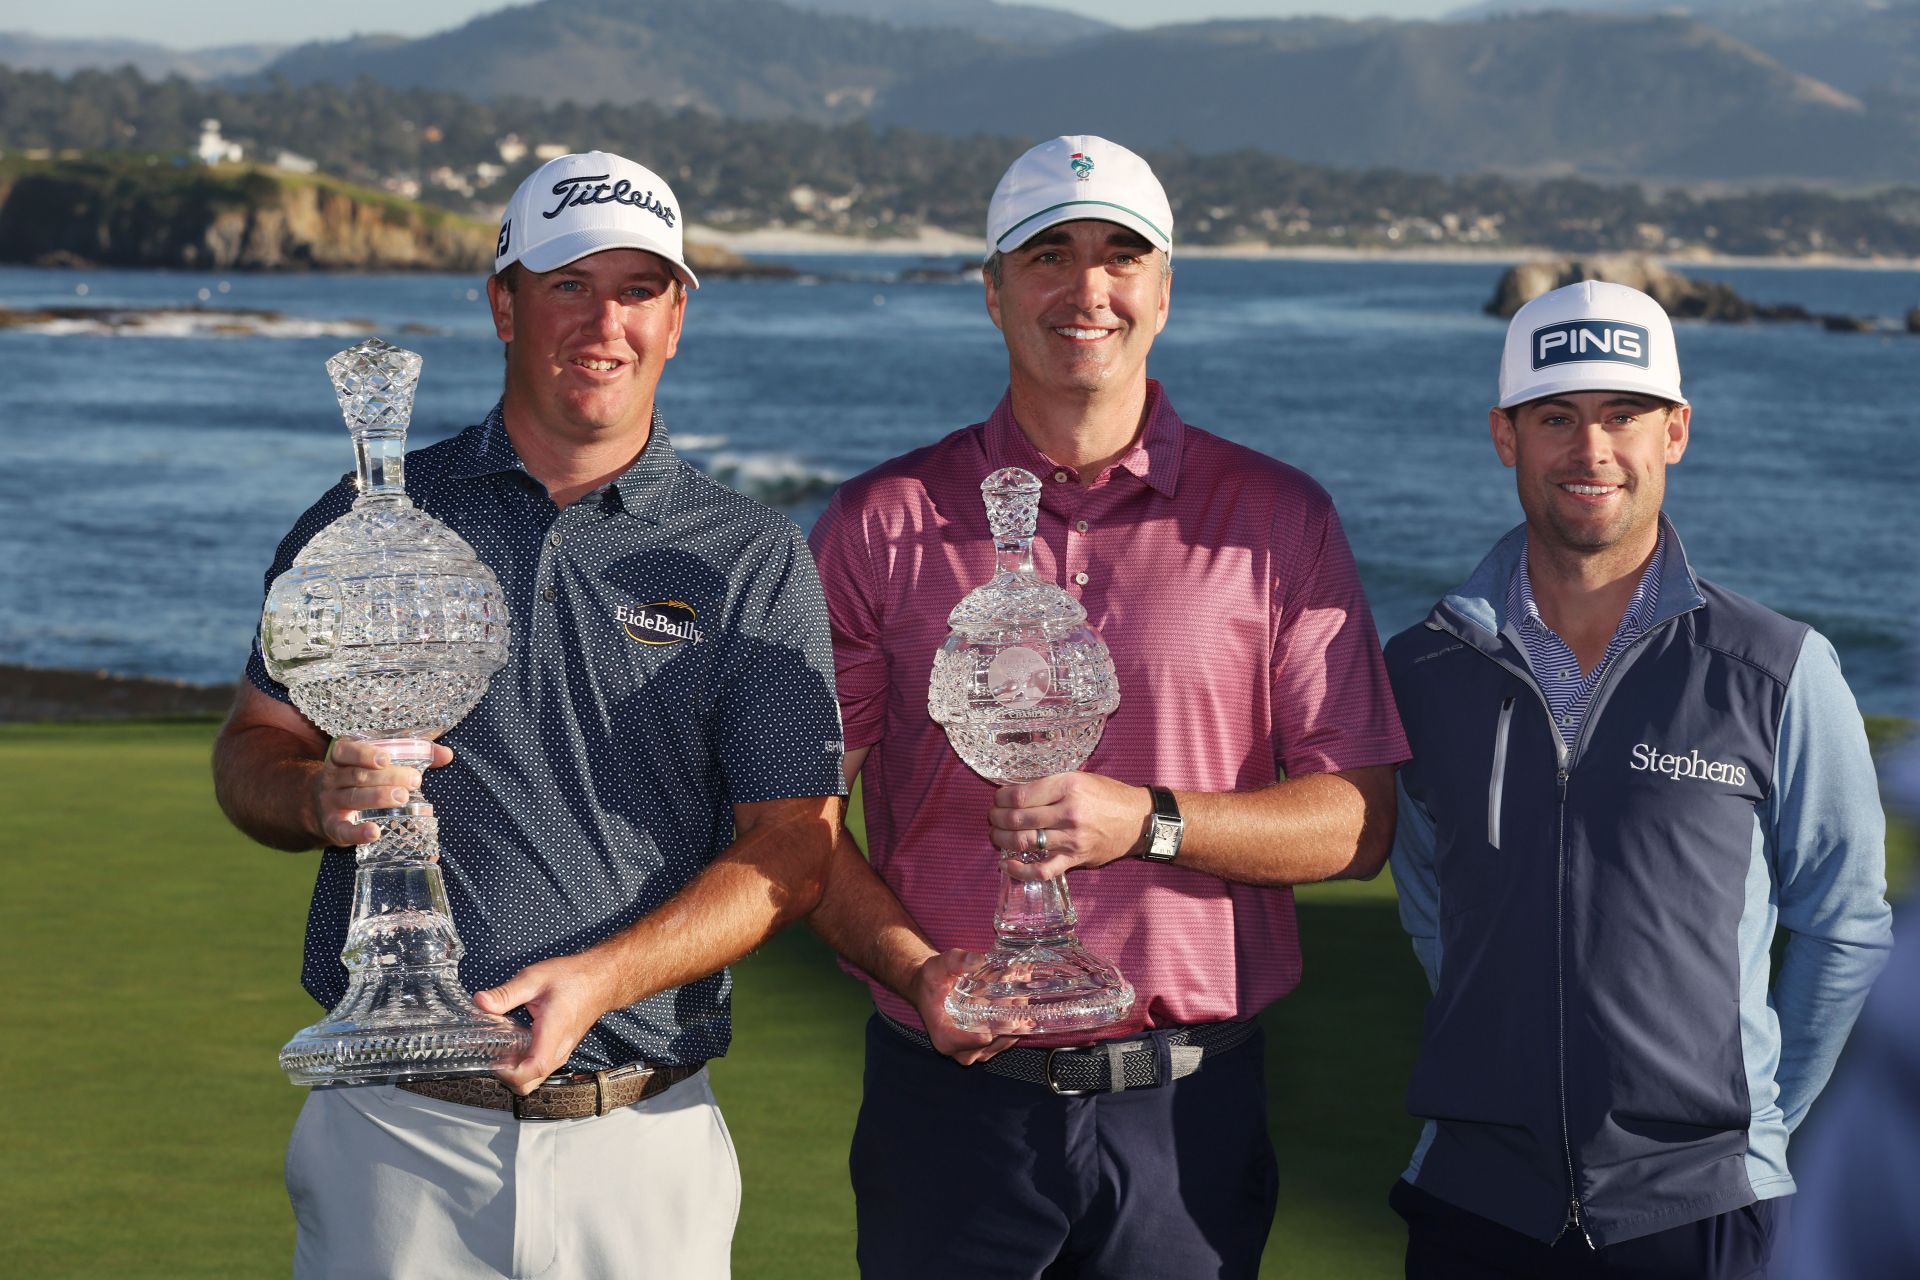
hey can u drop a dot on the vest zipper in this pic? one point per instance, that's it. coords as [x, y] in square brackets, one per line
[1563, 770]
[1560, 978]
[1497, 780]
[1567, 758]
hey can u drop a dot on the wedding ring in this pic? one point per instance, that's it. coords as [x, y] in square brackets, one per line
[1040, 840]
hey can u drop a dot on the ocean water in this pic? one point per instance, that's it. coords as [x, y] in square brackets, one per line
[145, 479]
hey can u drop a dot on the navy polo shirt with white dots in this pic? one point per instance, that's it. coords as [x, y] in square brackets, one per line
[596, 776]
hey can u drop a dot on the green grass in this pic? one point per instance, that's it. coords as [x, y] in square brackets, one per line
[152, 956]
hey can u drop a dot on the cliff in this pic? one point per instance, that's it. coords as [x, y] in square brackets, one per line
[118, 211]
[125, 212]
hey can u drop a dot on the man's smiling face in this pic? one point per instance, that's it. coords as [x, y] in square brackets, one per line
[1591, 466]
[588, 341]
[1079, 306]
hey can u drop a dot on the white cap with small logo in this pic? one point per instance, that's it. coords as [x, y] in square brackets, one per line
[1589, 336]
[1073, 177]
[584, 203]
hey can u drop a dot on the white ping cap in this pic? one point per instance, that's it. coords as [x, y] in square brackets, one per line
[584, 203]
[1589, 336]
[1078, 176]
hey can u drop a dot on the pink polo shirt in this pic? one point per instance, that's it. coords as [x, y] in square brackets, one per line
[1222, 583]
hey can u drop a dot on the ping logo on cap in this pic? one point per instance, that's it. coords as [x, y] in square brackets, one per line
[1574, 340]
[1082, 165]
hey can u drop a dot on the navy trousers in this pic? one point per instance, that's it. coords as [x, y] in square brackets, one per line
[958, 1172]
[1445, 1242]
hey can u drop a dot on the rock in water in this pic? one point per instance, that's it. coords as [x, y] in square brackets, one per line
[1683, 299]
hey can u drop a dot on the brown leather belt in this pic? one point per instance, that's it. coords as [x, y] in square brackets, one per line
[572, 1097]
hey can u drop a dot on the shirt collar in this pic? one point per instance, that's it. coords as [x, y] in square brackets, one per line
[1154, 456]
[642, 488]
[1639, 615]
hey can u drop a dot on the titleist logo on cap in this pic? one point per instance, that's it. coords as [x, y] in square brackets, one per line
[1572, 340]
[592, 188]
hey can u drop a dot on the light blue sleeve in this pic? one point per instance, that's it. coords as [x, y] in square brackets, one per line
[1828, 853]
[1416, 881]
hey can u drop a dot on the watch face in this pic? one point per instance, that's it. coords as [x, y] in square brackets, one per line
[1163, 843]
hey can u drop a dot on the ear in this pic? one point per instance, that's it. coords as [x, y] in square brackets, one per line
[993, 295]
[500, 301]
[1506, 435]
[1679, 431]
[678, 322]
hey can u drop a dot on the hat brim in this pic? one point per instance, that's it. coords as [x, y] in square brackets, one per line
[1569, 382]
[551, 255]
[1080, 210]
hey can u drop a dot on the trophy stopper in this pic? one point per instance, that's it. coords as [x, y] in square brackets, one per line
[375, 381]
[1013, 505]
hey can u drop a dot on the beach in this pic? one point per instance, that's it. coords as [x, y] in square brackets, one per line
[934, 242]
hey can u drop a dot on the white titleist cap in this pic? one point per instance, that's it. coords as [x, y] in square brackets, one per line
[583, 203]
[1079, 176]
[1590, 336]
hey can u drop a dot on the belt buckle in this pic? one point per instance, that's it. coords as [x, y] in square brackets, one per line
[1047, 1070]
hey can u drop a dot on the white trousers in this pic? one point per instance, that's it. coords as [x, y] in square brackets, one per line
[386, 1183]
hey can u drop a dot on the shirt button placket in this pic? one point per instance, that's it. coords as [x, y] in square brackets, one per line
[550, 560]
[1078, 545]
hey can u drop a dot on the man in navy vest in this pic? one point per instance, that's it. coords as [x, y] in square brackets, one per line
[1624, 779]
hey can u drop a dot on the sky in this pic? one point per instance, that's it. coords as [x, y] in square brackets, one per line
[199, 24]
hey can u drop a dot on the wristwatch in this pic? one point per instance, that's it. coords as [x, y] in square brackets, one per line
[1165, 828]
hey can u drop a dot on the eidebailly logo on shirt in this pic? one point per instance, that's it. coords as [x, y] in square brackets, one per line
[1651, 759]
[661, 622]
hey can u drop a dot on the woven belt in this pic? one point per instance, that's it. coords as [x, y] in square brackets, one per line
[1112, 1065]
[571, 1097]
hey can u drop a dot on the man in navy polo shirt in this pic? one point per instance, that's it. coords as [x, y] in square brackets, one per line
[625, 812]
[1624, 779]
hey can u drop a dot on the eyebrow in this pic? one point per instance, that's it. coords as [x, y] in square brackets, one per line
[1646, 402]
[647, 274]
[1119, 238]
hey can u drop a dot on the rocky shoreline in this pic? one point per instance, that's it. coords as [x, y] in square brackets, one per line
[38, 693]
[118, 212]
[1682, 297]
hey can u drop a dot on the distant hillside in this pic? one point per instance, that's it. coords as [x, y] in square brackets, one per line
[1642, 97]
[1013, 23]
[748, 58]
[30, 52]
[1859, 46]
[850, 179]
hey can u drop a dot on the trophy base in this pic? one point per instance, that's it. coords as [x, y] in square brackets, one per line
[1038, 988]
[433, 1030]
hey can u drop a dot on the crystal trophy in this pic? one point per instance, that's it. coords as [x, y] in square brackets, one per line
[386, 629]
[1023, 687]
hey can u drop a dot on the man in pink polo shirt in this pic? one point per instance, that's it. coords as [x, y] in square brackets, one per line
[1223, 585]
